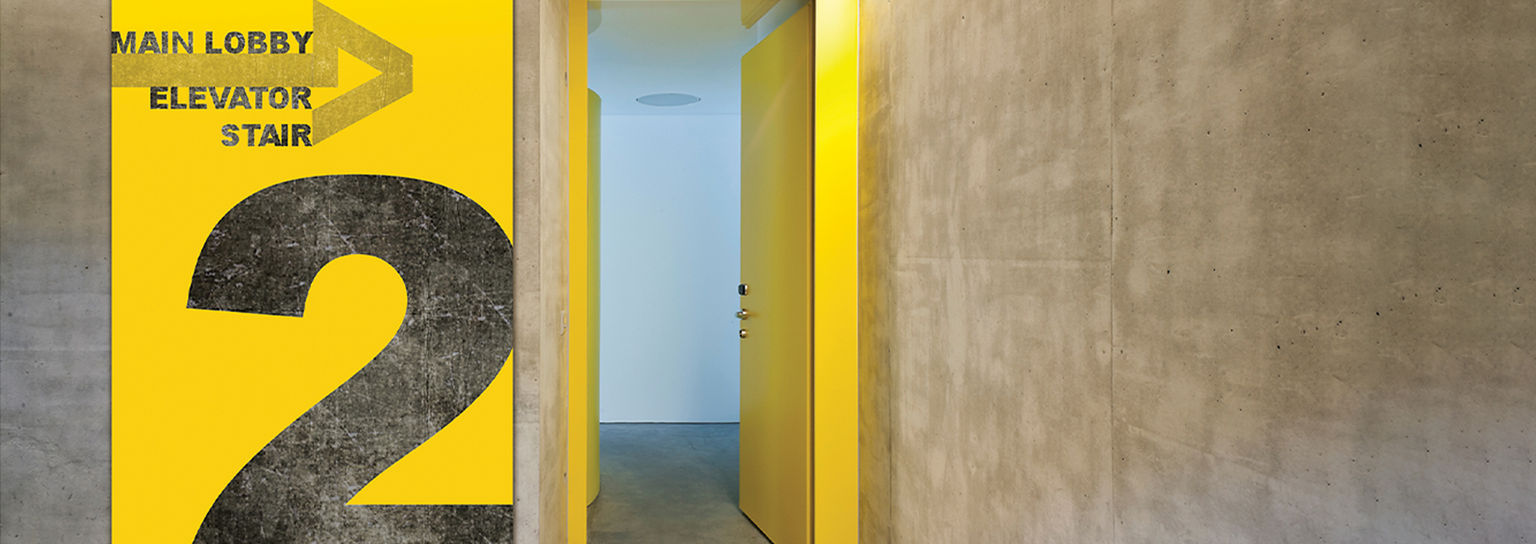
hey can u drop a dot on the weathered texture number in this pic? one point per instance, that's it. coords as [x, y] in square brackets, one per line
[456, 263]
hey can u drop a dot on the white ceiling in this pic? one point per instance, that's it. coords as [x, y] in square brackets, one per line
[669, 46]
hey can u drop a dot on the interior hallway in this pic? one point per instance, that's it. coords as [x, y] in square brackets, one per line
[669, 483]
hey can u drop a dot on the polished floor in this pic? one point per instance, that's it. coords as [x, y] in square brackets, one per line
[669, 483]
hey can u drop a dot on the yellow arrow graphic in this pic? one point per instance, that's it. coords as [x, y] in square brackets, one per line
[319, 68]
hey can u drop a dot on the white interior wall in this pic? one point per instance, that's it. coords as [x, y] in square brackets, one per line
[671, 259]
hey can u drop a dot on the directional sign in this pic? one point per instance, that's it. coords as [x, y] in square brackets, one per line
[311, 266]
[153, 62]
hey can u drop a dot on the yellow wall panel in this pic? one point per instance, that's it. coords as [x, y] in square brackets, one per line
[395, 91]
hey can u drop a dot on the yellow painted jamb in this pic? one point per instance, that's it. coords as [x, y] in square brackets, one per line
[576, 485]
[594, 280]
[835, 314]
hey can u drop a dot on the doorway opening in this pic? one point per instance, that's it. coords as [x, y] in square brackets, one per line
[693, 155]
[666, 205]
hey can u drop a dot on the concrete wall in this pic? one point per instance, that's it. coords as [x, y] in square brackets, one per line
[1201, 271]
[54, 363]
[542, 262]
[671, 258]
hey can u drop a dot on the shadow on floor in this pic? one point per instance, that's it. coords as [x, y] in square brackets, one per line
[669, 483]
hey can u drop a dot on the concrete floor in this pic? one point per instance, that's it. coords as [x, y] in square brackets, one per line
[668, 483]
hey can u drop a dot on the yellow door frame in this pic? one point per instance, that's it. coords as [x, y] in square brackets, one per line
[580, 468]
[835, 305]
[835, 275]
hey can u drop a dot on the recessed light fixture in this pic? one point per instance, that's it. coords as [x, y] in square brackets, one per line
[668, 100]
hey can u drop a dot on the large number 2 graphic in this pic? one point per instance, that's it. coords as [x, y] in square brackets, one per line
[456, 263]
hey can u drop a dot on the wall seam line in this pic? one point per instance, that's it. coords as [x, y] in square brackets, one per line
[1114, 529]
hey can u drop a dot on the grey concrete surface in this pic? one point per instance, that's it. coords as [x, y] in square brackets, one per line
[1204, 271]
[985, 124]
[1325, 243]
[540, 258]
[667, 483]
[875, 266]
[54, 287]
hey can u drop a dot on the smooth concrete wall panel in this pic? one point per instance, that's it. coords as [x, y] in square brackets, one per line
[989, 139]
[1000, 436]
[876, 264]
[1311, 229]
[1325, 240]
[541, 259]
[54, 284]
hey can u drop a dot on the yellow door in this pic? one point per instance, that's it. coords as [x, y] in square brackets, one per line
[776, 282]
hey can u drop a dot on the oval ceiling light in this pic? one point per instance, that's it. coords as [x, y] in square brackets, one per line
[668, 100]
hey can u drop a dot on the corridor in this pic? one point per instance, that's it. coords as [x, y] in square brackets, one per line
[669, 483]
